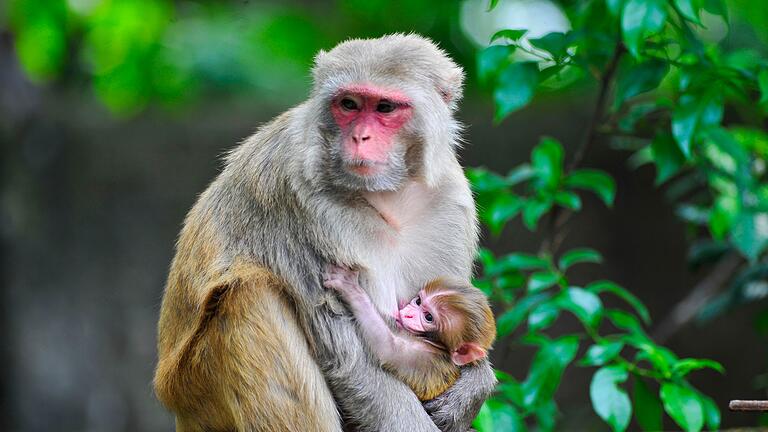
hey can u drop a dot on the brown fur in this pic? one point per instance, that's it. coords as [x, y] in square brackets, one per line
[232, 343]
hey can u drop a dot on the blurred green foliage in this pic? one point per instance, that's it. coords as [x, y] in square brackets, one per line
[694, 108]
[138, 52]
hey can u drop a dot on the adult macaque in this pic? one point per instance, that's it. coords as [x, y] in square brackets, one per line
[364, 173]
[448, 324]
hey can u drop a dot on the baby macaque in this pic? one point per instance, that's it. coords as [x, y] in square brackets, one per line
[447, 325]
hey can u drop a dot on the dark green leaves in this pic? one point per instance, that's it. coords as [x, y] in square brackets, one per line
[576, 256]
[593, 180]
[691, 115]
[547, 163]
[611, 402]
[547, 369]
[640, 18]
[491, 61]
[514, 88]
[511, 35]
[636, 78]
[648, 410]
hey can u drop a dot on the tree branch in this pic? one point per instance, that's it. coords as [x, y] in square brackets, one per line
[685, 311]
[558, 217]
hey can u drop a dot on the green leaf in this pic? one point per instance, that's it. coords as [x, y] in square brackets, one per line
[492, 4]
[547, 369]
[749, 234]
[593, 180]
[568, 200]
[636, 78]
[648, 410]
[519, 174]
[546, 416]
[547, 162]
[575, 256]
[515, 87]
[640, 17]
[543, 316]
[610, 401]
[582, 303]
[523, 261]
[659, 357]
[495, 415]
[542, 280]
[667, 157]
[483, 180]
[512, 35]
[684, 366]
[533, 210]
[716, 7]
[711, 412]
[555, 43]
[762, 81]
[689, 9]
[614, 6]
[683, 405]
[491, 61]
[511, 319]
[693, 113]
[504, 207]
[598, 287]
[601, 353]
[624, 321]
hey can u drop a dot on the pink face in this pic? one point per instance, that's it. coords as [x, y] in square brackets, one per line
[369, 119]
[418, 316]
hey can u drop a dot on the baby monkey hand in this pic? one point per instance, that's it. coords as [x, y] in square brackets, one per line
[343, 280]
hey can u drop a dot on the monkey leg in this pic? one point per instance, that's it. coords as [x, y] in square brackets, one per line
[245, 365]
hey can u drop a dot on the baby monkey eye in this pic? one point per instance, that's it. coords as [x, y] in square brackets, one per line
[348, 104]
[385, 106]
[418, 301]
[428, 316]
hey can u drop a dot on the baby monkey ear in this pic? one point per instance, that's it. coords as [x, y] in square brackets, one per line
[467, 352]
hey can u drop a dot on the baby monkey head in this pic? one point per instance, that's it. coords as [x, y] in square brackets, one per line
[453, 314]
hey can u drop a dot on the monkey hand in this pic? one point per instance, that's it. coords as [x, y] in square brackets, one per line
[343, 280]
[454, 410]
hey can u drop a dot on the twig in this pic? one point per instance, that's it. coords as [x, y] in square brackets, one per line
[748, 405]
[686, 310]
[558, 218]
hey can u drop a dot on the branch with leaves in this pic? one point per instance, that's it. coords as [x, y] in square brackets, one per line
[662, 92]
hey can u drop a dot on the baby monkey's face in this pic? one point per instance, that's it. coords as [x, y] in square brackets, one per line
[419, 315]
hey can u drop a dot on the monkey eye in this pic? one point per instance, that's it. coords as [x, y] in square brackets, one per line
[348, 104]
[417, 300]
[385, 106]
[428, 316]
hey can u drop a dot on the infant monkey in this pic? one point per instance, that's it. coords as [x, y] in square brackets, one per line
[447, 325]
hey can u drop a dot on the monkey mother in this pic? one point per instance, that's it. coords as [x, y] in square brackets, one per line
[364, 173]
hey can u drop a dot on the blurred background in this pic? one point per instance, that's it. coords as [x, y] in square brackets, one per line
[114, 115]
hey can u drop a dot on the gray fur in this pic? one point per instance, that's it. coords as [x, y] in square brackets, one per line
[282, 203]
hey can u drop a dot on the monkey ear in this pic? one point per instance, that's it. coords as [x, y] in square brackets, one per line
[450, 86]
[467, 353]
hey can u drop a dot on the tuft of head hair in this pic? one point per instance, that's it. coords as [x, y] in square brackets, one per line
[469, 314]
[389, 60]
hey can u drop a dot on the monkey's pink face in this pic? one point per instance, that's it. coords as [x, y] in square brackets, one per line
[418, 316]
[369, 119]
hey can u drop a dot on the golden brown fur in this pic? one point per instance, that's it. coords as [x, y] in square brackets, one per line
[225, 343]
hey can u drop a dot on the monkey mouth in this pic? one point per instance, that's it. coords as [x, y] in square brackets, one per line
[364, 168]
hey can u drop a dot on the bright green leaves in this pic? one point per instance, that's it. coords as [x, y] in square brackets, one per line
[648, 409]
[40, 36]
[515, 87]
[576, 256]
[543, 183]
[640, 18]
[694, 113]
[601, 353]
[667, 156]
[611, 402]
[495, 415]
[547, 369]
[683, 405]
[593, 180]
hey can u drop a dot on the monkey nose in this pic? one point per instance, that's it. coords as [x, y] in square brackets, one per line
[360, 138]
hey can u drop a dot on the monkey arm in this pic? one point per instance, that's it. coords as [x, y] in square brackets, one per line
[455, 409]
[389, 347]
